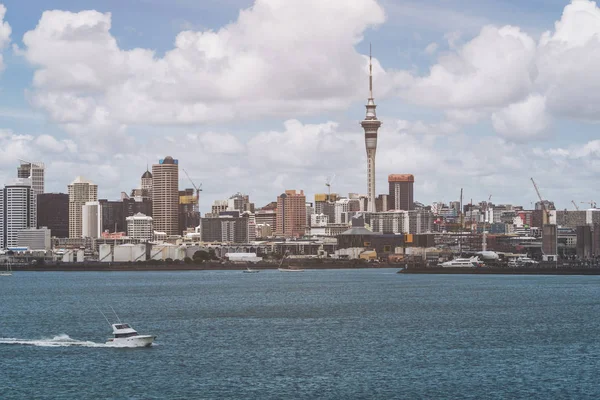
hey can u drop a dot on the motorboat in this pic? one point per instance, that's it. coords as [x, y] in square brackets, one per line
[126, 336]
[472, 262]
[522, 262]
[249, 270]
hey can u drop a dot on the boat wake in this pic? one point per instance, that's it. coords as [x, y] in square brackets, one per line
[57, 341]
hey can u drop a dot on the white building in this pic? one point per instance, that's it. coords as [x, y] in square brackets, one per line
[17, 210]
[319, 220]
[33, 171]
[91, 220]
[34, 239]
[140, 226]
[81, 191]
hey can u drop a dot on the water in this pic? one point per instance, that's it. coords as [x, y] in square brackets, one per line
[319, 334]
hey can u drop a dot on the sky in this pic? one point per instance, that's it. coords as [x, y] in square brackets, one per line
[264, 96]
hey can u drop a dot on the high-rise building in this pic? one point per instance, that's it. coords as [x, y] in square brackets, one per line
[53, 213]
[146, 185]
[371, 126]
[189, 217]
[18, 210]
[291, 214]
[165, 196]
[139, 226]
[401, 192]
[33, 171]
[80, 192]
[34, 238]
[91, 220]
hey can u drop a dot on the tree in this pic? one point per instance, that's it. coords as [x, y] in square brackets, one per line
[187, 260]
[201, 255]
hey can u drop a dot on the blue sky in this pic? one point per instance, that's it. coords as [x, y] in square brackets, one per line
[471, 94]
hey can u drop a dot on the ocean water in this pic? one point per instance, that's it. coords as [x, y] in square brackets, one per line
[343, 334]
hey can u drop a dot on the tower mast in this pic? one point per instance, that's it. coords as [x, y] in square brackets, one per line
[371, 126]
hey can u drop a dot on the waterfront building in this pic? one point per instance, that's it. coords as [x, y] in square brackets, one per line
[34, 238]
[17, 210]
[80, 192]
[91, 220]
[33, 171]
[53, 213]
[140, 226]
[165, 196]
[291, 214]
[401, 192]
[228, 229]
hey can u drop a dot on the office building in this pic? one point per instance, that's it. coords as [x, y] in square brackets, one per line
[189, 216]
[80, 192]
[165, 196]
[140, 226]
[53, 213]
[33, 171]
[291, 214]
[17, 210]
[91, 220]
[34, 238]
[401, 192]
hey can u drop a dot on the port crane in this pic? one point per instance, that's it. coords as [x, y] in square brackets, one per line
[591, 203]
[546, 213]
[328, 183]
[198, 190]
[575, 205]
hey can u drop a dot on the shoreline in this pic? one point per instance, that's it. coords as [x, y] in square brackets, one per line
[502, 271]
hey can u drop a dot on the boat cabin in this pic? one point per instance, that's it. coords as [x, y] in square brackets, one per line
[123, 331]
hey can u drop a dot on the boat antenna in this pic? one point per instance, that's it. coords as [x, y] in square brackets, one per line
[103, 315]
[113, 310]
[282, 258]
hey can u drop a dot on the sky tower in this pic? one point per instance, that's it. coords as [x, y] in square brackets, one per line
[371, 125]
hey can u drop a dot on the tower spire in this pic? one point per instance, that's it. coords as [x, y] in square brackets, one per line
[370, 74]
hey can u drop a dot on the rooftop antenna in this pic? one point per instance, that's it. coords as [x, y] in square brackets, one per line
[113, 310]
[104, 315]
[370, 74]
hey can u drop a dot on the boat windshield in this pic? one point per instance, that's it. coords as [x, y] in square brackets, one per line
[125, 335]
[122, 326]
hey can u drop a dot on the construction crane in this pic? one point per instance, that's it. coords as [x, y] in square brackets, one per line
[575, 205]
[591, 203]
[328, 183]
[546, 213]
[198, 190]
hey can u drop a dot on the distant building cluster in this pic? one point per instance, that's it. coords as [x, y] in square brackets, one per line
[158, 220]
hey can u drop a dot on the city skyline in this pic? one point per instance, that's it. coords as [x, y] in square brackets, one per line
[454, 115]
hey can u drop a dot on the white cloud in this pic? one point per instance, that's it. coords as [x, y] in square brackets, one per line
[5, 32]
[257, 66]
[524, 120]
[431, 48]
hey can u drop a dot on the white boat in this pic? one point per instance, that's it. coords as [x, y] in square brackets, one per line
[289, 268]
[126, 336]
[462, 263]
[249, 270]
[8, 271]
[522, 262]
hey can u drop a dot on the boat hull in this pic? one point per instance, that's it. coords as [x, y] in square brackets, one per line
[251, 271]
[290, 270]
[134, 341]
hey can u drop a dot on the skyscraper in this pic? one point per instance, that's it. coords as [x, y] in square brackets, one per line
[34, 171]
[147, 184]
[80, 192]
[53, 213]
[401, 192]
[17, 210]
[291, 214]
[165, 196]
[371, 126]
[91, 220]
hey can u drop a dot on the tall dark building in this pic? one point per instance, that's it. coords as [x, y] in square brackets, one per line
[53, 213]
[114, 213]
[401, 192]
